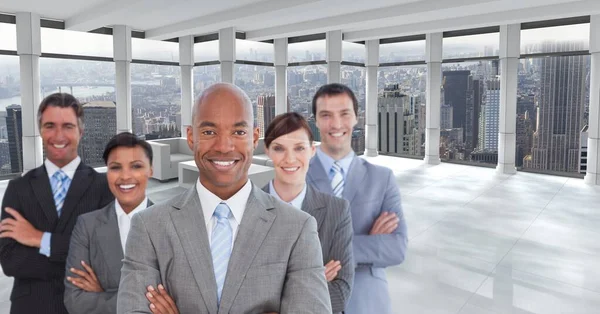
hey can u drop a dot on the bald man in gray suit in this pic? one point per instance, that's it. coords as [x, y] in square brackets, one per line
[224, 246]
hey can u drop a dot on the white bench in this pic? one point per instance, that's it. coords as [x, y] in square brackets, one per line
[259, 175]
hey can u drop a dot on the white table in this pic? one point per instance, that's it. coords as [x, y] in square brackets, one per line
[259, 175]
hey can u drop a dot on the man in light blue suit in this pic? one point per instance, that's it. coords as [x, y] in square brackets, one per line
[380, 237]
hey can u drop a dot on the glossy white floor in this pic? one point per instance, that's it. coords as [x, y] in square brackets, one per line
[484, 244]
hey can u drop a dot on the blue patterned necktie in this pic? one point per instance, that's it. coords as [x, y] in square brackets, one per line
[60, 186]
[220, 245]
[337, 183]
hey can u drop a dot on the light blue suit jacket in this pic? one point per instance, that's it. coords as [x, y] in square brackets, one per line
[371, 190]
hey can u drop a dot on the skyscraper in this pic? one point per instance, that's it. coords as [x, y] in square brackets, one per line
[397, 127]
[14, 128]
[458, 91]
[100, 124]
[312, 123]
[560, 109]
[265, 112]
[491, 115]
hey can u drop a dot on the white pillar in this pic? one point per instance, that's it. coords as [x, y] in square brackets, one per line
[29, 51]
[122, 57]
[433, 58]
[510, 50]
[592, 175]
[371, 65]
[186, 64]
[333, 40]
[280, 46]
[227, 54]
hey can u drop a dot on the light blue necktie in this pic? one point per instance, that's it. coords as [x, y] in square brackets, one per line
[60, 186]
[220, 245]
[337, 182]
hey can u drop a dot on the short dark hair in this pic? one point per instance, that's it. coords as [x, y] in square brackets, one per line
[284, 124]
[334, 89]
[126, 139]
[62, 100]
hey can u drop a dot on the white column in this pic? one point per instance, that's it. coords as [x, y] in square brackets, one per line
[334, 56]
[227, 54]
[510, 50]
[122, 57]
[371, 65]
[186, 63]
[280, 45]
[432, 109]
[29, 51]
[592, 175]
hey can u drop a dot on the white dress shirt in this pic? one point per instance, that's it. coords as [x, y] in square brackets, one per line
[124, 219]
[296, 202]
[237, 205]
[69, 169]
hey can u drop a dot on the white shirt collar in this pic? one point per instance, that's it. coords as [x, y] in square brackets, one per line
[237, 203]
[296, 202]
[69, 169]
[121, 212]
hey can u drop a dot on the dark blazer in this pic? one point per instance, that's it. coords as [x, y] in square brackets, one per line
[38, 280]
[335, 233]
[371, 190]
[96, 240]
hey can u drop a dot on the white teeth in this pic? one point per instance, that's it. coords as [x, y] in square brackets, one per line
[127, 186]
[291, 169]
[337, 134]
[224, 163]
[59, 146]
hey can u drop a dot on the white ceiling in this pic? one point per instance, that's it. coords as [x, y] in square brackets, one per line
[267, 19]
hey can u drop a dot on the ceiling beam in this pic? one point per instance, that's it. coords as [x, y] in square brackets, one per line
[345, 21]
[103, 14]
[216, 21]
[547, 12]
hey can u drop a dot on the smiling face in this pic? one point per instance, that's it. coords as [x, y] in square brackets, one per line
[291, 154]
[336, 119]
[223, 139]
[128, 171]
[60, 132]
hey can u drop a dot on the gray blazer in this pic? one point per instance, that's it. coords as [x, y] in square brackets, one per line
[335, 232]
[371, 190]
[276, 264]
[96, 241]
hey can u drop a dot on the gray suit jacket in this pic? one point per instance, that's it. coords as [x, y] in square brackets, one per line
[335, 232]
[96, 241]
[275, 266]
[371, 190]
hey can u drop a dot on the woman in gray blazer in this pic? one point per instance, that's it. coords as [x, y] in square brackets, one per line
[289, 144]
[98, 240]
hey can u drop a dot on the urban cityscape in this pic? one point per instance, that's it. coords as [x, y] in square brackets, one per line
[551, 120]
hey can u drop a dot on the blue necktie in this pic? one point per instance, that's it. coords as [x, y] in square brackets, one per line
[220, 245]
[60, 186]
[337, 182]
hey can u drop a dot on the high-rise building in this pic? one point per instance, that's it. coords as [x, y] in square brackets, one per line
[458, 93]
[583, 148]
[14, 128]
[100, 125]
[491, 115]
[312, 123]
[524, 136]
[3, 131]
[4, 157]
[358, 140]
[265, 108]
[446, 117]
[560, 109]
[397, 130]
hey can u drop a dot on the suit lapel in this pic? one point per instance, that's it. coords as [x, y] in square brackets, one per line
[357, 173]
[314, 206]
[317, 176]
[84, 176]
[110, 240]
[253, 229]
[192, 233]
[40, 184]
